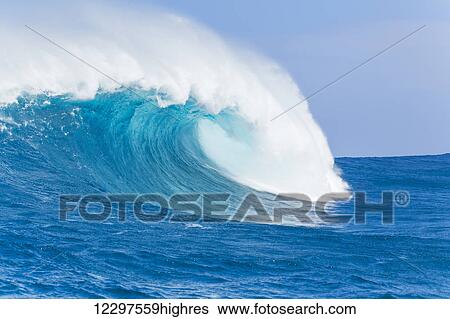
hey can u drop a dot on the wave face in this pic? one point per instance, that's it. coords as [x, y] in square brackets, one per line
[201, 120]
[114, 142]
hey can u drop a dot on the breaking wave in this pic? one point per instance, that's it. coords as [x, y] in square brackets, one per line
[179, 109]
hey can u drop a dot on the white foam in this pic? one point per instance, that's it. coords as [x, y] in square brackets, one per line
[181, 58]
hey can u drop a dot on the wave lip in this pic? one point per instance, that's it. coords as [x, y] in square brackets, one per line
[180, 60]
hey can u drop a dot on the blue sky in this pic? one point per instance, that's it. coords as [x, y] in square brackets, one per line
[398, 104]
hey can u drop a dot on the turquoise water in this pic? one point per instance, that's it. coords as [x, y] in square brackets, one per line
[119, 144]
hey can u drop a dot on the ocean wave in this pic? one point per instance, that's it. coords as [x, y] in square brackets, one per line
[202, 119]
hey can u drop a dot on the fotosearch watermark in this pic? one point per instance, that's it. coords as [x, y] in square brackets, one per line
[217, 207]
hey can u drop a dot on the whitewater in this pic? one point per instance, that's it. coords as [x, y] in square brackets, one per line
[174, 63]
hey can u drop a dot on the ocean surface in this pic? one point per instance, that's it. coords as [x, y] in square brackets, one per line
[116, 143]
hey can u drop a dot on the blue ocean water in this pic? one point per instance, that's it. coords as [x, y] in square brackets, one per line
[118, 143]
